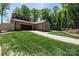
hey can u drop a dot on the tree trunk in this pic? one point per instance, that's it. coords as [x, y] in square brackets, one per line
[77, 21]
[67, 16]
[1, 17]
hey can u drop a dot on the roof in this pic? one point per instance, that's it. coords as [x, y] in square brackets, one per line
[42, 21]
[38, 22]
[23, 21]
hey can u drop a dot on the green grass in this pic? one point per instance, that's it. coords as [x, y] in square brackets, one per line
[62, 33]
[27, 43]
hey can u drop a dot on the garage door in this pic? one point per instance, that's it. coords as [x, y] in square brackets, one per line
[26, 27]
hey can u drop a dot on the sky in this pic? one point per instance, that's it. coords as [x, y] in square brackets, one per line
[30, 5]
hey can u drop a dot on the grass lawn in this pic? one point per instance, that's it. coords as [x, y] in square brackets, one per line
[62, 33]
[27, 43]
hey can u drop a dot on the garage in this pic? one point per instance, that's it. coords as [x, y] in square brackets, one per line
[26, 27]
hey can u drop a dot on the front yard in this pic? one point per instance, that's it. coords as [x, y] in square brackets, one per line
[27, 43]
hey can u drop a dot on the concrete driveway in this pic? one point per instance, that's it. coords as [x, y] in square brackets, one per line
[56, 37]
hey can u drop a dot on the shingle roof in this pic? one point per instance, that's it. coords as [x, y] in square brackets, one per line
[38, 22]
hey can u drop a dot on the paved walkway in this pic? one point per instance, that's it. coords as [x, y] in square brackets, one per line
[56, 37]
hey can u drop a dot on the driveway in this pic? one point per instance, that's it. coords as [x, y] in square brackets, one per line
[56, 37]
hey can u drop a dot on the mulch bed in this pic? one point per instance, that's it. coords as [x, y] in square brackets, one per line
[74, 31]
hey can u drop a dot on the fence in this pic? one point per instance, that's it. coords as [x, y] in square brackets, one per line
[7, 26]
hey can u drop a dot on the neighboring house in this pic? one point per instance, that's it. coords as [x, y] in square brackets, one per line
[25, 24]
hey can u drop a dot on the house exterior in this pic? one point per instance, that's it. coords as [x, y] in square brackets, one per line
[25, 24]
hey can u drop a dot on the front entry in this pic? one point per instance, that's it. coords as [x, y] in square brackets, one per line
[26, 27]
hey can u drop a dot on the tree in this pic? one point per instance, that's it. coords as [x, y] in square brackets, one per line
[3, 8]
[76, 10]
[17, 11]
[64, 14]
[55, 18]
[35, 14]
[25, 11]
[73, 13]
[46, 14]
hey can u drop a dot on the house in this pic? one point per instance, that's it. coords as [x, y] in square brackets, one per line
[23, 23]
